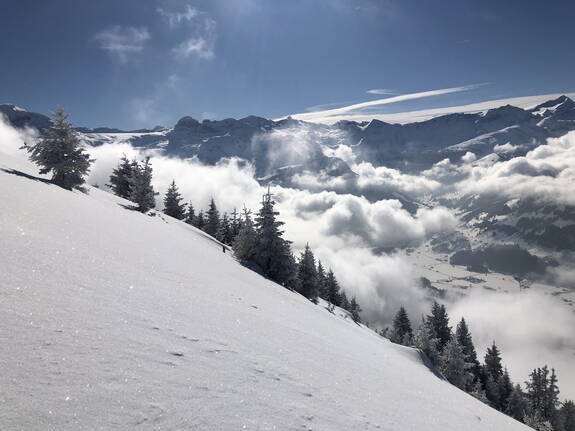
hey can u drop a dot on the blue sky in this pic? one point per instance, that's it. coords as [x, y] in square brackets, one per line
[137, 63]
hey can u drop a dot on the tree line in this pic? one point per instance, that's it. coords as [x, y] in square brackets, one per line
[257, 240]
[453, 354]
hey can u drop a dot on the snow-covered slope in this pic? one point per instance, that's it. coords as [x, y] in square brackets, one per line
[116, 320]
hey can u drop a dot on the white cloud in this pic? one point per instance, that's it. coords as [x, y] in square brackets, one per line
[11, 139]
[313, 116]
[403, 117]
[123, 40]
[353, 219]
[175, 18]
[546, 173]
[380, 91]
[469, 157]
[195, 46]
[342, 151]
[199, 27]
[231, 183]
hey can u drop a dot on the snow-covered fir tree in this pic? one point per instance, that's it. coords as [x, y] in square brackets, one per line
[246, 242]
[200, 220]
[60, 152]
[425, 340]
[307, 275]
[493, 366]
[543, 395]
[333, 289]
[355, 310]
[343, 300]
[504, 389]
[517, 404]
[401, 331]
[173, 202]
[478, 392]
[567, 416]
[534, 420]
[224, 233]
[321, 281]
[453, 365]
[212, 219]
[235, 223]
[463, 336]
[438, 321]
[273, 254]
[190, 217]
[142, 192]
[121, 175]
[491, 373]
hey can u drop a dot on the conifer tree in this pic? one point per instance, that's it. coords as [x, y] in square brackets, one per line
[213, 219]
[439, 324]
[492, 391]
[453, 365]
[307, 275]
[567, 415]
[224, 233]
[463, 336]
[235, 224]
[333, 289]
[478, 392]
[426, 341]
[172, 202]
[321, 281]
[200, 220]
[273, 254]
[190, 215]
[543, 394]
[142, 192]
[517, 404]
[534, 420]
[504, 389]
[343, 301]
[246, 241]
[401, 332]
[120, 178]
[355, 310]
[493, 367]
[60, 152]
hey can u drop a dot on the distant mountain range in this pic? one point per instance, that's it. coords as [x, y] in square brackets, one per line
[409, 147]
[281, 149]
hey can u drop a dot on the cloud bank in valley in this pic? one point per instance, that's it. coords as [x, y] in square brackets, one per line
[546, 174]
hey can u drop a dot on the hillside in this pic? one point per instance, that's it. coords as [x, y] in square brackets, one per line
[126, 320]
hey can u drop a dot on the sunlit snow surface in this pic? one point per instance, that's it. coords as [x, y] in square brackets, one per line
[116, 320]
